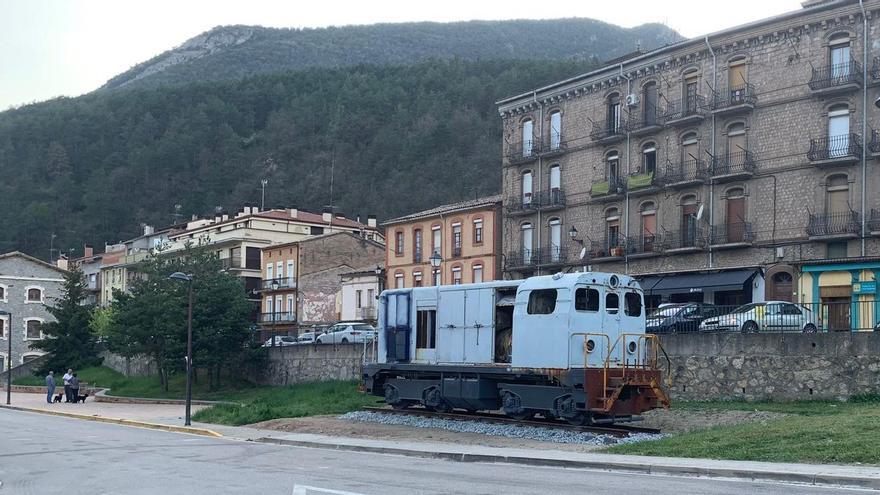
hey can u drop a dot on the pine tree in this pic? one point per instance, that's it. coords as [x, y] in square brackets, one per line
[69, 339]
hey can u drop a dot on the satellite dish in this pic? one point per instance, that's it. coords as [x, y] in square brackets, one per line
[583, 253]
[700, 212]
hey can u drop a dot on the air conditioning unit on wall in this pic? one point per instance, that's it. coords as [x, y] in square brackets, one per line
[632, 100]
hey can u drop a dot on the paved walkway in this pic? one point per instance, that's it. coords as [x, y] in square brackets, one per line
[170, 414]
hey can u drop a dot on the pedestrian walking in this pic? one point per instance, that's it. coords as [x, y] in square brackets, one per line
[66, 378]
[50, 386]
[74, 387]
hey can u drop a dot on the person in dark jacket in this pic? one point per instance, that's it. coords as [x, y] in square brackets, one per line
[50, 386]
[74, 387]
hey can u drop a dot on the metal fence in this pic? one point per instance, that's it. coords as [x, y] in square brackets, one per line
[839, 314]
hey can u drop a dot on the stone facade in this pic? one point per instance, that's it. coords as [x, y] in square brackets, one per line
[728, 366]
[129, 366]
[27, 285]
[312, 363]
[741, 130]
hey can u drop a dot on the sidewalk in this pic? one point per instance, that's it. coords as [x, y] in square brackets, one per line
[166, 416]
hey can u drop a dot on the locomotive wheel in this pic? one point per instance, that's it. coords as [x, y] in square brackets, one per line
[579, 419]
[442, 407]
[523, 415]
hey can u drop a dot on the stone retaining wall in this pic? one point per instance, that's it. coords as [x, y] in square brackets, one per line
[27, 369]
[312, 363]
[134, 366]
[793, 366]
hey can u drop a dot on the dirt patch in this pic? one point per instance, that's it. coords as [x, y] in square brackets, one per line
[671, 421]
[679, 420]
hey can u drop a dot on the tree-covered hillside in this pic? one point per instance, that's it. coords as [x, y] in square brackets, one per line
[232, 52]
[91, 169]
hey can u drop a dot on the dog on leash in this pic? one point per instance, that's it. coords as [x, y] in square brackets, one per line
[58, 398]
[80, 398]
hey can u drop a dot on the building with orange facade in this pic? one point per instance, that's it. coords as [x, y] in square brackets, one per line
[466, 235]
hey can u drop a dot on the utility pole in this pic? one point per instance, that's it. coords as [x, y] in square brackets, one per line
[263, 183]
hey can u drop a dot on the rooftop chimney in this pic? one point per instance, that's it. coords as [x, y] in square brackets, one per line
[294, 211]
[255, 210]
[340, 215]
[88, 251]
[62, 263]
[194, 217]
[327, 216]
[149, 229]
[371, 221]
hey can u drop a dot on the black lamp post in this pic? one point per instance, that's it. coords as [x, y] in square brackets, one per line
[8, 356]
[435, 260]
[189, 341]
[380, 278]
[274, 309]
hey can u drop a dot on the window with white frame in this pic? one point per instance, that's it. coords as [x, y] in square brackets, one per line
[555, 130]
[527, 138]
[33, 329]
[478, 273]
[436, 240]
[29, 357]
[456, 275]
[398, 243]
[398, 281]
[270, 271]
[478, 231]
[4, 325]
[527, 187]
[34, 294]
[417, 279]
[3, 293]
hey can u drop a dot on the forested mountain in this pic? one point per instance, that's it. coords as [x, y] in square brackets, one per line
[232, 52]
[399, 139]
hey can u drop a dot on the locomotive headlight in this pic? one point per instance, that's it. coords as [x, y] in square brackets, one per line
[590, 345]
[631, 347]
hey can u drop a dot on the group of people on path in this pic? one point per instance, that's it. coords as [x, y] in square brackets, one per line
[71, 386]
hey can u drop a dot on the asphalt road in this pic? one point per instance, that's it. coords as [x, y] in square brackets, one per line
[47, 455]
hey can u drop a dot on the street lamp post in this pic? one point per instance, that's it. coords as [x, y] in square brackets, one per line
[380, 279]
[274, 309]
[8, 357]
[189, 341]
[435, 260]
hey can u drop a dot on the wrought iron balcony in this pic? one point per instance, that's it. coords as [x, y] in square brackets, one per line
[609, 247]
[544, 201]
[689, 239]
[835, 150]
[277, 284]
[650, 120]
[874, 222]
[456, 251]
[736, 99]
[367, 312]
[875, 69]
[643, 245]
[278, 317]
[732, 166]
[733, 234]
[836, 77]
[522, 258]
[417, 256]
[551, 255]
[874, 145]
[608, 132]
[607, 189]
[554, 146]
[642, 183]
[844, 224]
[686, 111]
[685, 173]
[523, 152]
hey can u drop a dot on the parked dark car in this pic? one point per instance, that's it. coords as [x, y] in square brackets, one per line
[679, 318]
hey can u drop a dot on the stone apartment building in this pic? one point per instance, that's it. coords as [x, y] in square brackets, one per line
[464, 234]
[747, 157]
[27, 285]
[301, 282]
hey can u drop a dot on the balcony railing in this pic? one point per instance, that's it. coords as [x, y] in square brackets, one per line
[736, 163]
[367, 313]
[417, 256]
[693, 237]
[844, 147]
[875, 69]
[524, 151]
[610, 187]
[278, 317]
[833, 224]
[686, 171]
[644, 244]
[732, 233]
[874, 145]
[522, 258]
[642, 182]
[836, 76]
[609, 247]
[545, 200]
[648, 120]
[278, 283]
[742, 96]
[686, 110]
[456, 251]
[874, 221]
[552, 255]
[606, 131]
[554, 145]
[231, 262]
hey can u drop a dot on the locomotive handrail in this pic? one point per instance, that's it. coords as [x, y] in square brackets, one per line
[604, 361]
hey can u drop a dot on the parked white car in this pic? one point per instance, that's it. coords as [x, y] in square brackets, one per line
[348, 332]
[770, 316]
[280, 340]
[307, 338]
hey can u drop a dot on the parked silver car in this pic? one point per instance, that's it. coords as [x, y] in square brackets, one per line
[348, 332]
[280, 340]
[770, 316]
[307, 338]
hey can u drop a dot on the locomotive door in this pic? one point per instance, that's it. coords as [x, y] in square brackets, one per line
[479, 326]
[396, 323]
[450, 327]
[587, 318]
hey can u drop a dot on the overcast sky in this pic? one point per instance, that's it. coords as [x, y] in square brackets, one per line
[51, 48]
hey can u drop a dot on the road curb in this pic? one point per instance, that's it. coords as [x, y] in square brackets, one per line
[121, 421]
[102, 396]
[643, 467]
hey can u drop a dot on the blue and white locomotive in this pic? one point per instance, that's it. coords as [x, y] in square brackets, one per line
[570, 346]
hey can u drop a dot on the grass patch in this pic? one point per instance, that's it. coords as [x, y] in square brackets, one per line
[307, 399]
[817, 431]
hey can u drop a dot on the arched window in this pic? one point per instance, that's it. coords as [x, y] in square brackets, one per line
[688, 221]
[736, 141]
[837, 196]
[528, 137]
[612, 229]
[398, 243]
[650, 97]
[736, 78]
[783, 286]
[477, 270]
[838, 131]
[527, 243]
[649, 226]
[612, 167]
[691, 81]
[612, 116]
[555, 226]
[527, 190]
[555, 178]
[436, 240]
[398, 280]
[736, 215]
[417, 278]
[555, 130]
[30, 356]
[690, 151]
[417, 246]
[839, 56]
[34, 295]
[33, 329]
[456, 275]
[649, 158]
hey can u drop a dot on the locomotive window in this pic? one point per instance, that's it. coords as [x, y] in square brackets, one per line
[542, 302]
[426, 322]
[586, 300]
[633, 304]
[612, 303]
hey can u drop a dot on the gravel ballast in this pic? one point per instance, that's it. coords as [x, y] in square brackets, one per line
[494, 429]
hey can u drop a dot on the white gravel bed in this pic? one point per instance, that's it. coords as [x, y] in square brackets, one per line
[496, 429]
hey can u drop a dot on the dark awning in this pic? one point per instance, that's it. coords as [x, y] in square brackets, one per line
[697, 282]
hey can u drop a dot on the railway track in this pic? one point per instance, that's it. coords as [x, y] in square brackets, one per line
[615, 430]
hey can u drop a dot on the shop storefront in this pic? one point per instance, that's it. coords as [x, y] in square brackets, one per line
[843, 295]
[721, 287]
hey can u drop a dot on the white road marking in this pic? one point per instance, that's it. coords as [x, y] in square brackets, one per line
[304, 490]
